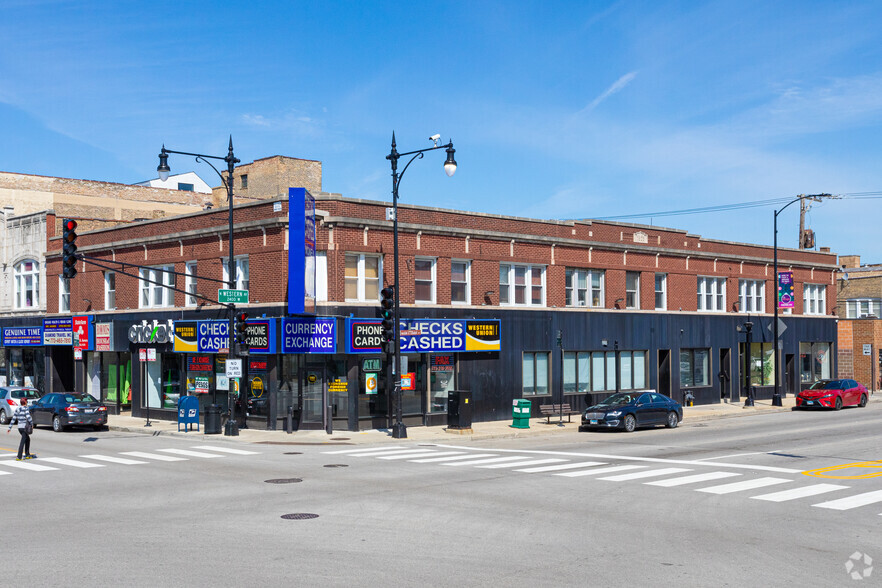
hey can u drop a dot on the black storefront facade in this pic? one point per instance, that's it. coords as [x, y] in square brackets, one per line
[340, 382]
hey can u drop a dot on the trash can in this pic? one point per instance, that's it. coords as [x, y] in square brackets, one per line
[459, 409]
[212, 419]
[520, 413]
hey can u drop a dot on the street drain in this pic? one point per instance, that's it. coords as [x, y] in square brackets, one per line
[293, 453]
[299, 516]
[284, 481]
[337, 465]
[339, 438]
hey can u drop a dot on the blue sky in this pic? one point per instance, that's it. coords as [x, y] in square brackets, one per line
[557, 109]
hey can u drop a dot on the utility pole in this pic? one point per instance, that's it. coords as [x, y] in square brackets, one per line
[801, 221]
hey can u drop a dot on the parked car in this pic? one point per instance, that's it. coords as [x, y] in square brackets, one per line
[63, 409]
[10, 399]
[629, 410]
[832, 394]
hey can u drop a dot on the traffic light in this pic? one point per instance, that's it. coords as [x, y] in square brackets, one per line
[387, 312]
[239, 335]
[69, 249]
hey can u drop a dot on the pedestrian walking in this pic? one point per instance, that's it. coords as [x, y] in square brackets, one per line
[22, 417]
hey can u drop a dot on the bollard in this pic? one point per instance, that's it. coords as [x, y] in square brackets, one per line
[751, 390]
[289, 422]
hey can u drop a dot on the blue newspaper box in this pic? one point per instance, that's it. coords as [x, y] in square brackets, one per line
[188, 412]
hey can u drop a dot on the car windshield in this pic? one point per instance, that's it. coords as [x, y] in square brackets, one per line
[827, 385]
[26, 393]
[71, 398]
[616, 399]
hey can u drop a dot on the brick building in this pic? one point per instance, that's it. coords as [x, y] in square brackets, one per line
[859, 306]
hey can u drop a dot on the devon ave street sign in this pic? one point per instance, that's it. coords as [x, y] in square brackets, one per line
[232, 296]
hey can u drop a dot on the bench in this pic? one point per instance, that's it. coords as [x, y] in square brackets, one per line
[554, 410]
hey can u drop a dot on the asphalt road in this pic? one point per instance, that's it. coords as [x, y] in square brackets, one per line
[719, 503]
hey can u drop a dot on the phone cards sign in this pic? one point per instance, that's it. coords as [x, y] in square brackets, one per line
[309, 335]
[58, 331]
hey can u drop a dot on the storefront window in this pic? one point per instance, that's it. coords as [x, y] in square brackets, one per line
[27, 367]
[164, 381]
[3, 370]
[762, 363]
[258, 383]
[411, 400]
[116, 378]
[441, 381]
[93, 375]
[814, 362]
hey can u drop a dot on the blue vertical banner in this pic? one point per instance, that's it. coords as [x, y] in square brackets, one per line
[301, 251]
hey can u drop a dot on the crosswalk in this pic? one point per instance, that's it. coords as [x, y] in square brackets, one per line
[651, 472]
[8, 464]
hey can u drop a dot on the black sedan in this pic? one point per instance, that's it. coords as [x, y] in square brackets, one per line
[63, 409]
[629, 410]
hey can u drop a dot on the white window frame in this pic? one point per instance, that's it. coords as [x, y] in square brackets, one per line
[663, 291]
[20, 277]
[152, 291]
[814, 299]
[362, 279]
[433, 282]
[109, 293]
[578, 276]
[855, 308]
[715, 287]
[511, 269]
[635, 292]
[190, 283]
[467, 283]
[243, 273]
[63, 294]
[752, 296]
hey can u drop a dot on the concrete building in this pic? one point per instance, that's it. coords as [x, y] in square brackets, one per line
[271, 177]
[186, 182]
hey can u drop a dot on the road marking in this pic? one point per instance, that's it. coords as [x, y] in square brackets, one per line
[376, 453]
[454, 458]
[362, 450]
[71, 462]
[226, 450]
[113, 459]
[812, 490]
[875, 468]
[745, 485]
[649, 474]
[518, 464]
[155, 456]
[609, 470]
[852, 501]
[5, 473]
[27, 465]
[564, 466]
[409, 454]
[691, 479]
[189, 453]
[734, 455]
[483, 461]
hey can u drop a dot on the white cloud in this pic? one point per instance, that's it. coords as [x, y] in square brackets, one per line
[617, 86]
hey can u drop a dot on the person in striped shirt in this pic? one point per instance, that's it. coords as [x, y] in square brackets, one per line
[22, 417]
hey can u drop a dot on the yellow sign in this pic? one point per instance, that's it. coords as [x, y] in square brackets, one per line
[311, 378]
[338, 385]
[872, 469]
[256, 387]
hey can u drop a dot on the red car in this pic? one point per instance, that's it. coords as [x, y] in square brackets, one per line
[832, 394]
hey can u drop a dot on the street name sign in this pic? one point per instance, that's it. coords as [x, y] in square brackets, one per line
[225, 296]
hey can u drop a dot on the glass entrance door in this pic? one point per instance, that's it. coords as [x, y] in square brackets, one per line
[312, 398]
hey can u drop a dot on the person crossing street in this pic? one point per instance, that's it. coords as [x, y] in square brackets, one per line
[22, 417]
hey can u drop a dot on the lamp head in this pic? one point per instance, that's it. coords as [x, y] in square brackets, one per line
[163, 168]
[450, 164]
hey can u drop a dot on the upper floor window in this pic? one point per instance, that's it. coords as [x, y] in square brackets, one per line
[584, 288]
[632, 290]
[521, 285]
[185, 187]
[362, 281]
[27, 284]
[155, 293]
[712, 294]
[109, 290]
[814, 299]
[244, 181]
[751, 296]
[63, 294]
[661, 291]
[460, 281]
[190, 283]
[241, 277]
[862, 308]
[424, 279]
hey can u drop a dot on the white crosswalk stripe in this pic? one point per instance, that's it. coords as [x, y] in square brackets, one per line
[71, 462]
[27, 465]
[563, 466]
[695, 478]
[113, 459]
[226, 450]
[852, 501]
[483, 461]
[353, 451]
[452, 458]
[156, 456]
[521, 463]
[741, 486]
[379, 452]
[639, 475]
[408, 454]
[189, 453]
[593, 472]
[802, 492]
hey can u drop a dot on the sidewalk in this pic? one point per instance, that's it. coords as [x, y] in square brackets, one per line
[439, 434]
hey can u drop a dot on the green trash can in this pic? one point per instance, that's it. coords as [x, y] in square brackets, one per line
[520, 413]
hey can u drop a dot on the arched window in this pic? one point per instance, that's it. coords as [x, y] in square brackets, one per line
[27, 284]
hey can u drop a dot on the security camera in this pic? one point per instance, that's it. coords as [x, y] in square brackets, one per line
[435, 138]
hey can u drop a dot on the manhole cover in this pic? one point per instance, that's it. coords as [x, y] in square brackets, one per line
[293, 453]
[299, 516]
[284, 481]
[336, 465]
[339, 438]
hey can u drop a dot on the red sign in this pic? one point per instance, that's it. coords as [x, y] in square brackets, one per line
[408, 381]
[81, 332]
[142, 354]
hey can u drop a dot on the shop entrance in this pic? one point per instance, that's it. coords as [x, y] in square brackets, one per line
[312, 394]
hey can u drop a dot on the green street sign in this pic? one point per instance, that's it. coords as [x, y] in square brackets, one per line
[232, 296]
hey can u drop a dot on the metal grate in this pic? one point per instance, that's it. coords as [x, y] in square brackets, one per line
[293, 453]
[284, 481]
[337, 465]
[339, 438]
[299, 516]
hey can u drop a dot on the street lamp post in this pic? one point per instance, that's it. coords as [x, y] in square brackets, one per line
[776, 397]
[399, 431]
[231, 428]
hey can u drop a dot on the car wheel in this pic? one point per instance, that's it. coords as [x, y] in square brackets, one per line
[4, 419]
[863, 401]
[673, 420]
[56, 424]
[838, 404]
[630, 423]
